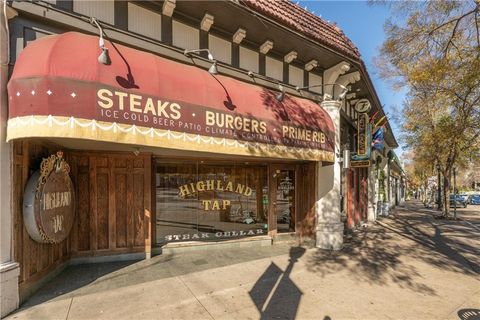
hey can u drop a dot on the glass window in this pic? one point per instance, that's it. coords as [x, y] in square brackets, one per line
[285, 200]
[202, 201]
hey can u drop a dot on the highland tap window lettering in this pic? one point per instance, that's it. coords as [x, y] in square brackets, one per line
[203, 201]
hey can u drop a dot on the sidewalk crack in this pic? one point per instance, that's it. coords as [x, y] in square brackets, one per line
[69, 307]
[193, 294]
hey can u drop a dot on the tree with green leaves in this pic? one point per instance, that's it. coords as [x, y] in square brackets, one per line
[434, 51]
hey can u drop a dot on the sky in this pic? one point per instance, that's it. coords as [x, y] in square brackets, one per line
[363, 24]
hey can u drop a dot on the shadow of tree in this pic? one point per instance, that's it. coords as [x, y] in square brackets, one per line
[292, 110]
[450, 253]
[372, 257]
[378, 255]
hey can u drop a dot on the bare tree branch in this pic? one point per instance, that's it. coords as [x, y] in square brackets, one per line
[450, 40]
[452, 20]
[476, 29]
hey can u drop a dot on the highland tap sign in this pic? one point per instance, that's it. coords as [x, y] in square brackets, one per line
[214, 185]
[48, 204]
[144, 99]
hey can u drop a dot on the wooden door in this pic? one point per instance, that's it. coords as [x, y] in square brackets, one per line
[350, 185]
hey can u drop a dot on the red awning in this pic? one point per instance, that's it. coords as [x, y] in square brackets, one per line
[58, 89]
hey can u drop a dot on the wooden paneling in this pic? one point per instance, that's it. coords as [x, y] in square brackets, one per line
[102, 210]
[138, 212]
[82, 226]
[121, 209]
[113, 205]
[306, 217]
[35, 259]
[118, 209]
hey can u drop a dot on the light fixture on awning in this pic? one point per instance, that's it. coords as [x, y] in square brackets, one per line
[341, 95]
[103, 58]
[281, 95]
[213, 69]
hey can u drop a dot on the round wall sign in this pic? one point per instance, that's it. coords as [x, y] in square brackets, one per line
[49, 202]
[362, 106]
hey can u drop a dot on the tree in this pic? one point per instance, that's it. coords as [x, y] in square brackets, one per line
[435, 52]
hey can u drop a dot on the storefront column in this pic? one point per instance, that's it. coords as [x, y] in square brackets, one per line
[9, 269]
[402, 191]
[372, 194]
[329, 230]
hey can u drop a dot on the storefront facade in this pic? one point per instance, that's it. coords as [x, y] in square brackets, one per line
[165, 147]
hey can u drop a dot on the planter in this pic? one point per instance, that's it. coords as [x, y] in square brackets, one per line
[386, 209]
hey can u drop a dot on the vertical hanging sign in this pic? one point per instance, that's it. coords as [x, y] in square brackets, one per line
[362, 134]
[362, 157]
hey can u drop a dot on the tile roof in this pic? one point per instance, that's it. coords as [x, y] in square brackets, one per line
[307, 23]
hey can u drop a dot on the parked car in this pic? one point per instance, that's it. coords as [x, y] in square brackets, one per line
[475, 199]
[465, 197]
[459, 200]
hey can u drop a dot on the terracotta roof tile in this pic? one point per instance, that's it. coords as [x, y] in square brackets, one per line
[307, 23]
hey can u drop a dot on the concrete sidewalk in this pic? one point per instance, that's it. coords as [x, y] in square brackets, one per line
[408, 266]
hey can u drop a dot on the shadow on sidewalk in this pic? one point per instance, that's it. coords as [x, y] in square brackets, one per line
[379, 254]
[73, 278]
[275, 295]
[444, 239]
[82, 279]
[373, 256]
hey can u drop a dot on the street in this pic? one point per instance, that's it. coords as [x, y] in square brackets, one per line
[406, 266]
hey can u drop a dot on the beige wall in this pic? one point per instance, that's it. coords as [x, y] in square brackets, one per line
[221, 49]
[295, 76]
[274, 68]
[144, 22]
[185, 36]
[102, 10]
[249, 59]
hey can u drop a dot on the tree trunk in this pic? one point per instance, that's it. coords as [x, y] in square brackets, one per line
[425, 187]
[439, 191]
[446, 192]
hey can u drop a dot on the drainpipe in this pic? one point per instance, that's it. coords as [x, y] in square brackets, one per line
[9, 269]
